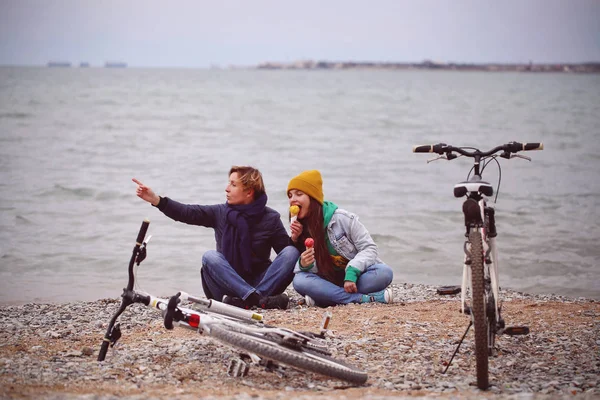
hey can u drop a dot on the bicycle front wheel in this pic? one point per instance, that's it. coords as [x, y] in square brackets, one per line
[298, 358]
[478, 309]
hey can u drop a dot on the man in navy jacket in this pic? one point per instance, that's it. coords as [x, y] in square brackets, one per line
[239, 271]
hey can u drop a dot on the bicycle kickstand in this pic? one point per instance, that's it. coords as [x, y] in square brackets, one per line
[458, 346]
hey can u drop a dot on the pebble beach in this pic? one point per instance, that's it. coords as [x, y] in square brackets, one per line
[49, 351]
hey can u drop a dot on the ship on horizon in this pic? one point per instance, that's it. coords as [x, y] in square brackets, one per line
[59, 64]
[115, 64]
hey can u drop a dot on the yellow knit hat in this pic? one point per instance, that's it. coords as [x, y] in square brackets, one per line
[309, 182]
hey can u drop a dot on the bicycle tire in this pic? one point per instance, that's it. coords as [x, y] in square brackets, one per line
[478, 307]
[298, 358]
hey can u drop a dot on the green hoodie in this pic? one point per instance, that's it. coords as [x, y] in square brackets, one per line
[329, 208]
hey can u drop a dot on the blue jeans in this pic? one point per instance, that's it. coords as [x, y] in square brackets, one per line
[375, 278]
[219, 278]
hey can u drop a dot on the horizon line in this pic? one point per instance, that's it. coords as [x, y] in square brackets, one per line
[87, 64]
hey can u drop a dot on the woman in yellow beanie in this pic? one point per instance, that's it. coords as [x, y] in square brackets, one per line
[343, 266]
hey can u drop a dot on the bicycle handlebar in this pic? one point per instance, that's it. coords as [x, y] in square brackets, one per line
[512, 147]
[139, 253]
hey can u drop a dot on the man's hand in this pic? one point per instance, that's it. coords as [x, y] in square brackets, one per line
[350, 287]
[296, 229]
[145, 193]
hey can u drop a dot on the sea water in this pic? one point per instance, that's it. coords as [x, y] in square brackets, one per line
[72, 139]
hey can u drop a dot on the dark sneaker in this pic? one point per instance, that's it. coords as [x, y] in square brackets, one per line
[279, 301]
[236, 301]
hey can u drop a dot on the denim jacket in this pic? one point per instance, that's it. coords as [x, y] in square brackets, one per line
[350, 239]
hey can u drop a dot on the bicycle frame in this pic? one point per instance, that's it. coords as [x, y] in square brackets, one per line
[211, 313]
[485, 225]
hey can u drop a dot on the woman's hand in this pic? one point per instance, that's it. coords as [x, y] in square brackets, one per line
[145, 193]
[350, 287]
[308, 257]
[296, 229]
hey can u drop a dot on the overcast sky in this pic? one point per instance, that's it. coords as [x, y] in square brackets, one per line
[162, 33]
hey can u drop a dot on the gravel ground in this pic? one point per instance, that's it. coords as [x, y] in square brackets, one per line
[49, 351]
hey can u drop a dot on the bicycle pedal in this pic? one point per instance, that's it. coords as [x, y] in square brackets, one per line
[237, 368]
[325, 322]
[448, 290]
[516, 330]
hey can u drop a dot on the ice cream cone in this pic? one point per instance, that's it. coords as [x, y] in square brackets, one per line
[294, 210]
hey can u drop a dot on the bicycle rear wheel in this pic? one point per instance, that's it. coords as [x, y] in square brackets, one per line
[298, 358]
[478, 307]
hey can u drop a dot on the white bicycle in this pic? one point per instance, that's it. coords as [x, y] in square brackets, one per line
[480, 271]
[239, 328]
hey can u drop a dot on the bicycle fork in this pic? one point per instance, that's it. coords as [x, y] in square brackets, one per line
[481, 217]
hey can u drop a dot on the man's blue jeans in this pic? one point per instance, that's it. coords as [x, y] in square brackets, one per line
[375, 278]
[219, 278]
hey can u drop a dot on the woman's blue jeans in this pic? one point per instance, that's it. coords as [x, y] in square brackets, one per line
[219, 278]
[374, 279]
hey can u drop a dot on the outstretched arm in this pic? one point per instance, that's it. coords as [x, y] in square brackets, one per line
[192, 214]
[146, 193]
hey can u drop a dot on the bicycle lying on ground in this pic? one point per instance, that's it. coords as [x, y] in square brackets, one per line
[480, 271]
[239, 328]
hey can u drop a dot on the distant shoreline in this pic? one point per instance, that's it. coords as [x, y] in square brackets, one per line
[589, 67]
[582, 67]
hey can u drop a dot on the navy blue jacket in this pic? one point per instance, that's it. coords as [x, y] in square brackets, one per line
[267, 234]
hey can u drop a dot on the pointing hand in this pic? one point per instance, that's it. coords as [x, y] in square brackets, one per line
[145, 193]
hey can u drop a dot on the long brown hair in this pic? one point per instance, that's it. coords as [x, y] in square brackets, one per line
[314, 227]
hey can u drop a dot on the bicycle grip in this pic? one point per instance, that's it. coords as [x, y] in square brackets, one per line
[425, 148]
[142, 233]
[533, 146]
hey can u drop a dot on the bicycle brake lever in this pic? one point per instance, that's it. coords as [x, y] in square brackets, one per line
[142, 251]
[141, 256]
[520, 156]
[443, 156]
